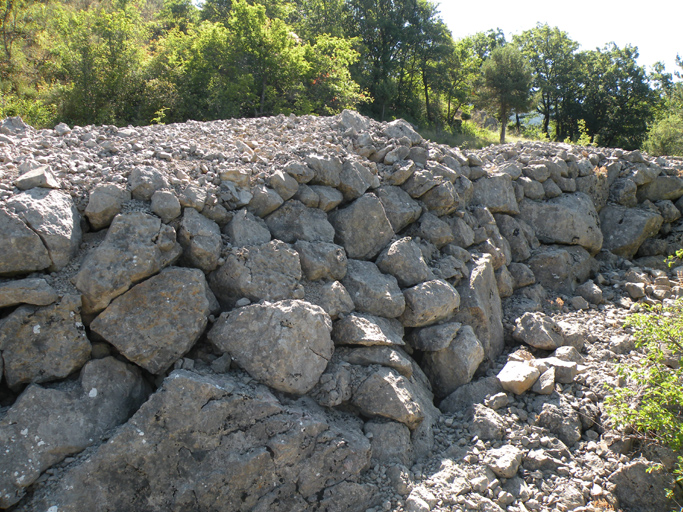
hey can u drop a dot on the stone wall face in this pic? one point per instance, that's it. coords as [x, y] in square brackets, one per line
[242, 315]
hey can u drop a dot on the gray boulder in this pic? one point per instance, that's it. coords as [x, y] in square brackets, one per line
[561, 267]
[562, 420]
[377, 355]
[462, 233]
[39, 177]
[433, 229]
[442, 199]
[486, 423]
[294, 221]
[327, 170]
[367, 330]
[362, 228]
[157, 321]
[52, 214]
[373, 292]
[321, 260]
[355, 180]
[332, 297]
[401, 128]
[429, 302]
[662, 187]
[284, 184]
[264, 201]
[497, 193]
[570, 219]
[641, 486]
[200, 239]
[434, 337]
[212, 443]
[46, 425]
[23, 250]
[165, 204]
[454, 366]
[285, 345]
[403, 260]
[32, 291]
[625, 229]
[136, 246]
[269, 271]
[538, 331]
[105, 203]
[246, 229]
[475, 392]
[144, 181]
[390, 442]
[623, 191]
[43, 344]
[401, 209]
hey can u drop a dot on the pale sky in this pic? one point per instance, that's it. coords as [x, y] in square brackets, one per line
[654, 26]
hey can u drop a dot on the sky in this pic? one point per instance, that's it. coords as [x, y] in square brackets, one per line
[654, 26]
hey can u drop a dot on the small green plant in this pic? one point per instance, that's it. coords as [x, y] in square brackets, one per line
[159, 116]
[674, 258]
[584, 138]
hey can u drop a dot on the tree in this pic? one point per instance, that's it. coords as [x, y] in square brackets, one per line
[506, 84]
[463, 66]
[483, 43]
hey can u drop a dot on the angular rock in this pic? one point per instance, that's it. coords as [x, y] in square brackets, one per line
[285, 345]
[246, 229]
[429, 302]
[521, 274]
[321, 260]
[496, 193]
[433, 229]
[44, 426]
[373, 292]
[32, 291]
[435, 337]
[144, 181]
[623, 191]
[454, 365]
[545, 384]
[625, 229]
[39, 177]
[401, 128]
[563, 421]
[105, 203]
[165, 204]
[157, 321]
[390, 442]
[200, 239]
[463, 235]
[355, 179]
[23, 250]
[591, 292]
[565, 371]
[504, 461]
[403, 260]
[211, 443]
[269, 271]
[642, 487]
[442, 199]
[570, 219]
[383, 356]
[302, 173]
[518, 377]
[43, 344]
[284, 184]
[136, 246]
[294, 221]
[662, 187]
[332, 297]
[481, 307]
[362, 228]
[538, 331]
[401, 209]
[367, 330]
[52, 214]
[328, 197]
[561, 267]
[486, 423]
[327, 170]
[193, 197]
[514, 233]
[264, 201]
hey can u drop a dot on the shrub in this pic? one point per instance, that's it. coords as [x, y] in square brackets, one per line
[665, 137]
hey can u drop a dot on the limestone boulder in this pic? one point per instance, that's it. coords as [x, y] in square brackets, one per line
[481, 306]
[246, 229]
[623, 191]
[362, 228]
[434, 337]
[285, 185]
[539, 331]
[355, 180]
[429, 302]
[562, 420]
[401, 128]
[454, 366]
[200, 239]
[504, 461]
[401, 209]
[331, 296]
[285, 345]
[52, 214]
[165, 204]
[40, 344]
[433, 229]
[321, 260]
[46, 425]
[264, 201]
[157, 321]
[569, 219]
[662, 187]
[625, 229]
[327, 170]
[561, 267]
[475, 392]
[105, 203]
[372, 291]
[367, 330]
[41, 176]
[144, 181]
[377, 355]
[486, 423]
[34, 291]
[23, 250]
[390, 442]
[497, 193]
[214, 443]
[403, 259]
[294, 221]
[136, 246]
[518, 376]
[269, 271]
[641, 487]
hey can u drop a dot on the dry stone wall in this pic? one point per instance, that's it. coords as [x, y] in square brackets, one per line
[248, 314]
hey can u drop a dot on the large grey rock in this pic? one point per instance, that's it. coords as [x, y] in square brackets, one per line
[212, 443]
[294, 221]
[474, 392]
[246, 229]
[368, 330]
[331, 296]
[373, 292]
[52, 214]
[270, 271]
[105, 203]
[157, 321]
[362, 228]
[538, 331]
[33, 291]
[662, 187]
[377, 355]
[144, 181]
[429, 302]
[623, 191]
[486, 423]
[165, 204]
[496, 193]
[434, 337]
[45, 425]
[481, 307]
[504, 461]
[136, 246]
[401, 209]
[327, 170]
[355, 179]
[561, 267]
[285, 344]
[41, 176]
[596, 186]
[462, 233]
[321, 260]
[442, 199]
[518, 376]
[421, 182]
[454, 366]
[642, 486]
[401, 128]
[284, 184]
[561, 420]
[23, 250]
[625, 229]
[433, 229]
[43, 344]
[264, 201]
[403, 260]
[200, 239]
[570, 219]
[516, 235]
[390, 442]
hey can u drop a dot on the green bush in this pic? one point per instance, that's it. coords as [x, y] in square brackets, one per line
[665, 137]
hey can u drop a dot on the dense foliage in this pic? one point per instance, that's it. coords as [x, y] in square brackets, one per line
[141, 61]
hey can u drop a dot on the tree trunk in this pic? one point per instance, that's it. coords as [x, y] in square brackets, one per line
[426, 87]
[503, 124]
